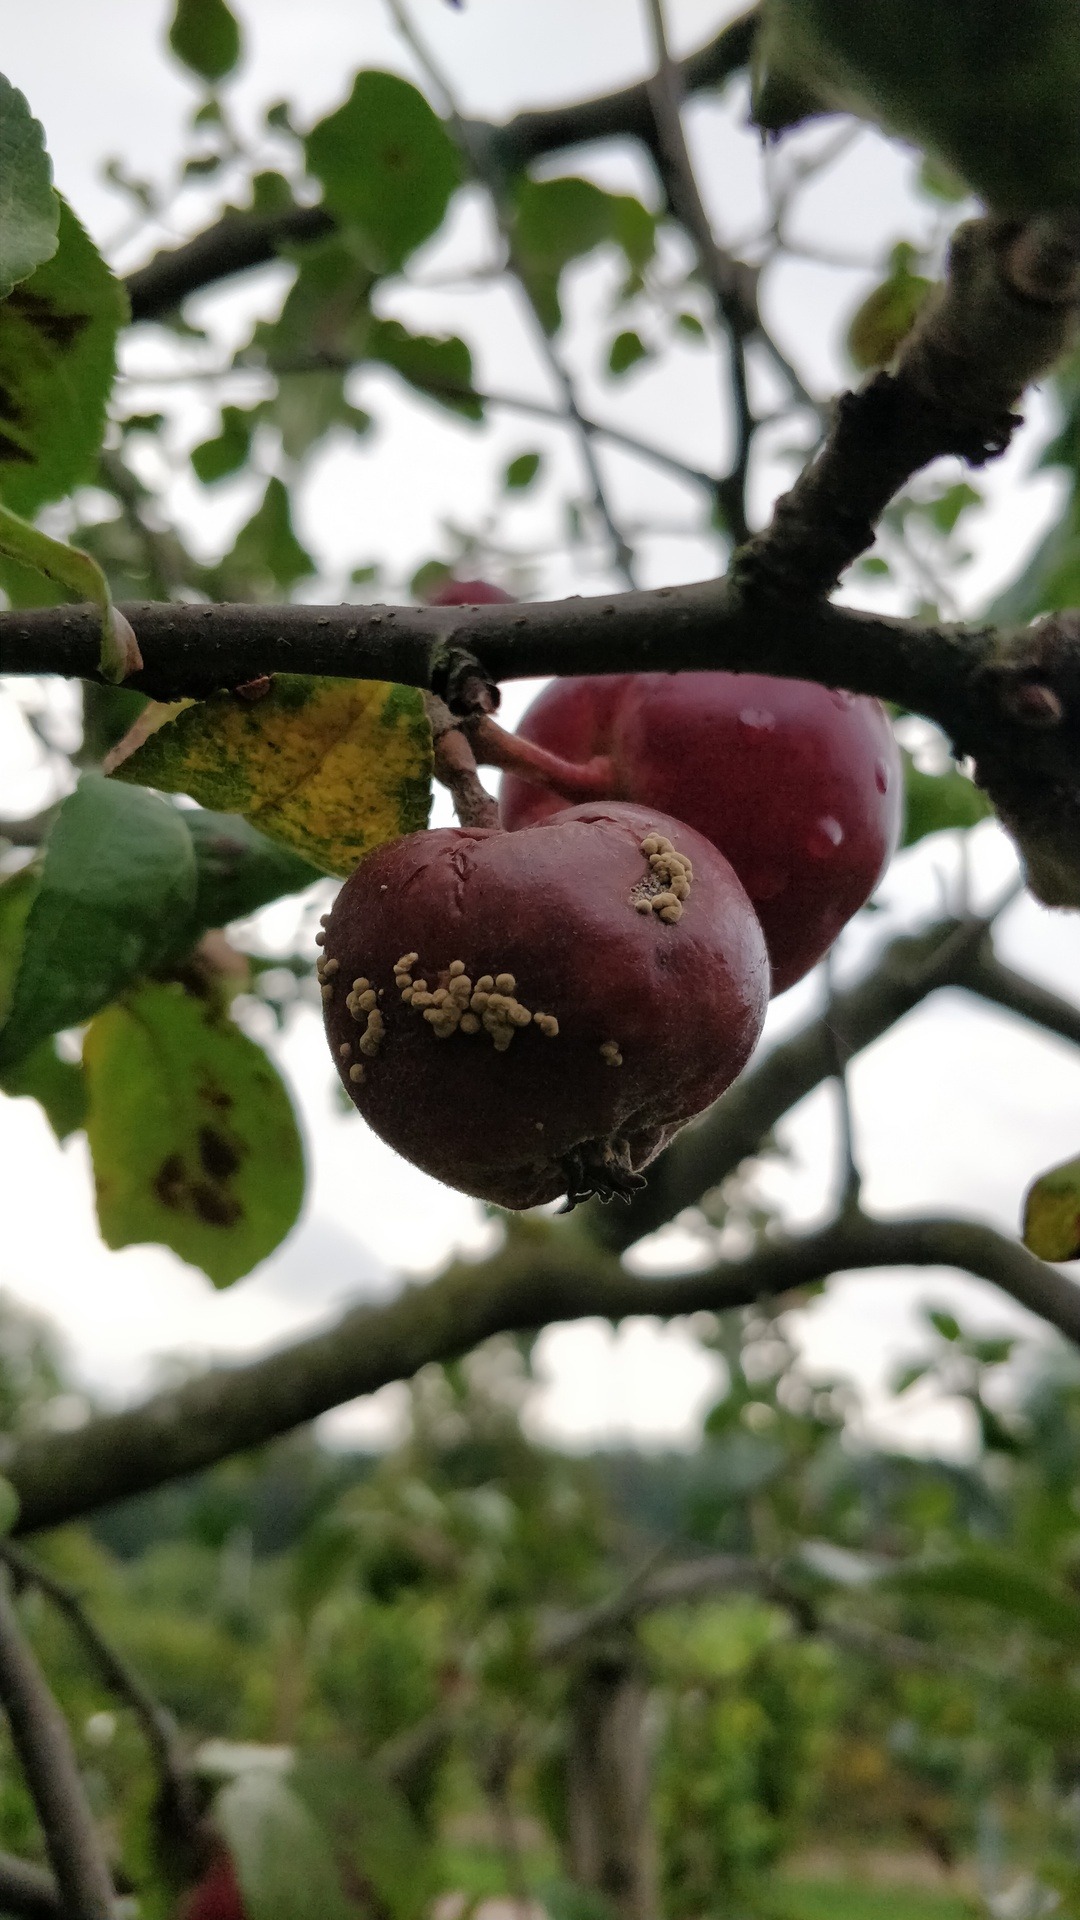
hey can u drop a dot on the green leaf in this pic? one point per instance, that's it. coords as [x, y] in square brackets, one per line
[945, 1323]
[308, 404]
[997, 1581]
[387, 165]
[934, 802]
[990, 89]
[1052, 1213]
[885, 318]
[439, 368]
[329, 301]
[9, 1506]
[281, 1855]
[205, 37]
[521, 472]
[372, 1829]
[17, 896]
[689, 324]
[29, 209]
[194, 1141]
[57, 1085]
[57, 359]
[328, 767]
[945, 509]
[625, 351]
[238, 870]
[79, 576]
[266, 554]
[226, 453]
[116, 886]
[556, 221]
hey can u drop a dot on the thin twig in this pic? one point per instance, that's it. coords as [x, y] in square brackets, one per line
[842, 1051]
[731, 283]
[475, 154]
[27, 1892]
[448, 389]
[42, 1740]
[177, 1787]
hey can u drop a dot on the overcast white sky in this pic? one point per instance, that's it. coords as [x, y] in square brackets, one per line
[957, 1108]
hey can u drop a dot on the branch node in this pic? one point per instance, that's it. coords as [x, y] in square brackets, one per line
[463, 682]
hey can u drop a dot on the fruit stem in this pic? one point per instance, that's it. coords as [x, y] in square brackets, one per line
[593, 779]
[455, 767]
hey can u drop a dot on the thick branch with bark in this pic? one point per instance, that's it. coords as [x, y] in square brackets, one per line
[1007, 310]
[536, 1278]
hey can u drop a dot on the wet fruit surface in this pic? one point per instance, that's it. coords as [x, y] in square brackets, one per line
[534, 1014]
[799, 785]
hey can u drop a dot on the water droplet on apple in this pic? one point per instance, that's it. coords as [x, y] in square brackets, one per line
[757, 719]
[824, 837]
[881, 777]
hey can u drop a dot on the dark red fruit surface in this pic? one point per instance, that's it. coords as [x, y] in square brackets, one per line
[217, 1895]
[608, 990]
[468, 593]
[799, 785]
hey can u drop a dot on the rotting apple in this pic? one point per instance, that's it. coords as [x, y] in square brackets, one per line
[535, 1014]
[799, 785]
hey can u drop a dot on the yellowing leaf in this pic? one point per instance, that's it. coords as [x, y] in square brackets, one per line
[193, 1137]
[1052, 1214]
[331, 768]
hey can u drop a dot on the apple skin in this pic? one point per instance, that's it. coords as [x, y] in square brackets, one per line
[800, 786]
[681, 1001]
[217, 1895]
[468, 593]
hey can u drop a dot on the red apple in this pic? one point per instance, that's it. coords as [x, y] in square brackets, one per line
[534, 1014]
[468, 593]
[799, 785]
[217, 1895]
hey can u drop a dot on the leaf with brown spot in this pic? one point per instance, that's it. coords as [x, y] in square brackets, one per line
[57, 359]
[193, 1136]
[331, 768]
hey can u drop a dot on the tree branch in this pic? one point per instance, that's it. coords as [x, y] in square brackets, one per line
[27, 1891]
[537, 1277]
[178, 1799]
[1006, 312]
[43, 1743]
[906, 972]
[240, 241]
[983, 973]
[1013, 701]
[733, 285]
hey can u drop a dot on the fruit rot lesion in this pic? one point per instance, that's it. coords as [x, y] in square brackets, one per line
[546, 951]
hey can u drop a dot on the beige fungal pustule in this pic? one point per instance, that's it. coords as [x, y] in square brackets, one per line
[610, 1053]
[667, 884]
[458, 1003]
